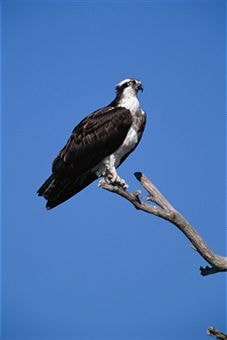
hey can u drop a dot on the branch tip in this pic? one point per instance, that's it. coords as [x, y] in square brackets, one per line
[137, 194]
[138, 175]
[215, 332]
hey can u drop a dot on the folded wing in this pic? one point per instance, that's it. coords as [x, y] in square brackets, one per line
[93, 139]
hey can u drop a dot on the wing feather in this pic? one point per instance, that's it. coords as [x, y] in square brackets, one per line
[94, 138]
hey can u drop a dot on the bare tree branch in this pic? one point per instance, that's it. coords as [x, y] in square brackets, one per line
[215, 332]
[162, 208]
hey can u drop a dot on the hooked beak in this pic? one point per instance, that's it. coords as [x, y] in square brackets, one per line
[140, 87]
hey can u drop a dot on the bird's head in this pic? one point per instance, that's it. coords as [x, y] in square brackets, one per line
[129, 85]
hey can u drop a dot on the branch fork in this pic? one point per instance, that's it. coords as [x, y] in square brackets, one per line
[163, 209]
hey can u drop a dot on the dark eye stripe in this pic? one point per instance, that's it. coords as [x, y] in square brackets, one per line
[128, 83]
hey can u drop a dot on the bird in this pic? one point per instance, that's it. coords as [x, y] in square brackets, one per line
[97, 146]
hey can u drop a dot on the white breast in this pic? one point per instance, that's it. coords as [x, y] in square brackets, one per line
[129, 101]
[129, 143]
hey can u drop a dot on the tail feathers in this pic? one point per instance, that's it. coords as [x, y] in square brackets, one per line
[57, 190]
[52, 187]
[47, 187]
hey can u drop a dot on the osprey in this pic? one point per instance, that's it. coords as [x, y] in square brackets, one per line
[97, 146]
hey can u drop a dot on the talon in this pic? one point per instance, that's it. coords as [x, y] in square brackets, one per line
[111, 177]
[101, 182]
[121, 182]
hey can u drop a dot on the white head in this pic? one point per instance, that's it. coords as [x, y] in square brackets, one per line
[129, 85]
[126, 94]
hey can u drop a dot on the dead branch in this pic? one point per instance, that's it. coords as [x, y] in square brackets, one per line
[215, 332]
[162, 208]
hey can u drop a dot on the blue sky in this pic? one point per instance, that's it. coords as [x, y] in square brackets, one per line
[94, 267]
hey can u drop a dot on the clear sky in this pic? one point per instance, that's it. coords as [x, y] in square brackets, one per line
[95, 267]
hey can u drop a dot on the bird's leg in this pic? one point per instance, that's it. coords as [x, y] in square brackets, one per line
[111, 177]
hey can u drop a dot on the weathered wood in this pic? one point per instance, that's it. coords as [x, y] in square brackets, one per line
[215, 332]
[162, 208]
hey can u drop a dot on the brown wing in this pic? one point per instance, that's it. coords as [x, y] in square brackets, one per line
[94, 138]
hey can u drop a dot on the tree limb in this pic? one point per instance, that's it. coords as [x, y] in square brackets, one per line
[215, 332]
[162, 208]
